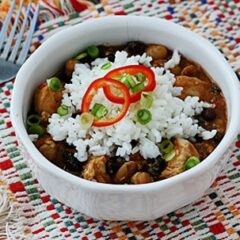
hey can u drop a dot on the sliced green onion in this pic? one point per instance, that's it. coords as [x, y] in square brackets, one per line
[146, 100]
[86, 120]
[33, 119]
[106, 66]
[62, 110]
[140, 77]
[138, 87]
[93, 51]
[191, 162]
[81, 55]
[54, 84]
[125, 81]
[169, 156]
[36, 129]
[144, 116]
[166, 146]
[99, 110]
[131, 80]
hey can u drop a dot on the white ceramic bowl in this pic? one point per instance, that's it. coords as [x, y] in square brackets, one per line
[124, 202]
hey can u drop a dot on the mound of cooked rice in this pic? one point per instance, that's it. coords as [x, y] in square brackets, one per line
[171, 116]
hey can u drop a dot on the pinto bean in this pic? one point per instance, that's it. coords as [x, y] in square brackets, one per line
[158, 62]
[176, 70]
[69, 67]
[141, 177]
[125, 172]
[157, 51]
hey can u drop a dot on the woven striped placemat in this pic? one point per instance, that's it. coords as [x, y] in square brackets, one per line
[37, 216]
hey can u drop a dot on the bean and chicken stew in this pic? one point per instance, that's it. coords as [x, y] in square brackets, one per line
[130, 114]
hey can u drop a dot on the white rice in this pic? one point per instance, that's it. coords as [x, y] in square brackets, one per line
[171, 116]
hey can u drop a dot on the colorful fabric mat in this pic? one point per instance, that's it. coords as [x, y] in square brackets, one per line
[214, 216]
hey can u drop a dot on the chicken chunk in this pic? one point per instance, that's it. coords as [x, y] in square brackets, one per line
[50, 149]
[45, 100]
[95, 168]
[183, 150]
[192, 86]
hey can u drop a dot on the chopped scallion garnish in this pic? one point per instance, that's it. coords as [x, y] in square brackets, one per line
[62, 110]
[169, 156]
[166, 146]
[125, 81]
[33, 119]
[86, 120]
[138, 87]
[99, 110]
[81, 56]
[54, 84]
[146, 100]
[93, 51]
[131, 80]
[144, 116]
[36, 129]
[140, 77]
[191, 162]
[106, 66]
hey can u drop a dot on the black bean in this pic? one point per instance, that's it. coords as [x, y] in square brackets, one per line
[108, 52]
[87, 60]
[63, 77]
[200, 120]
[198, 138]
[135, 48]
[74, 115]
[111, 57]
[215, 89]
[218, 137]
[209, 114]
[134, 143]
[155, 166]
[113, 164]
[71, 162]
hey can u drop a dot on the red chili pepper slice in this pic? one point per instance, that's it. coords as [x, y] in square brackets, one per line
[120, 100]
[92, 91]
[131, 70]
